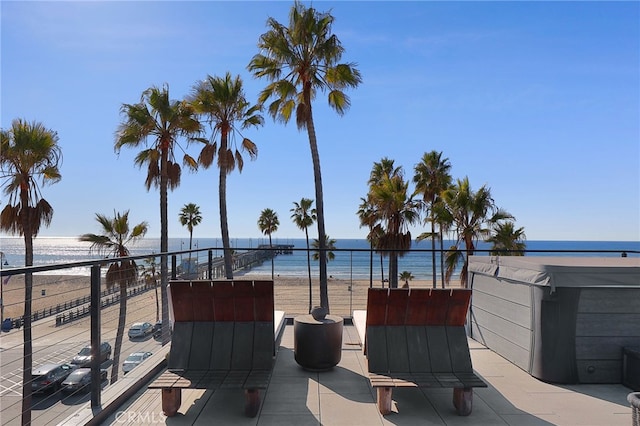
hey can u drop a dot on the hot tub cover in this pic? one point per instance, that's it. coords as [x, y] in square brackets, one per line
[560, 271]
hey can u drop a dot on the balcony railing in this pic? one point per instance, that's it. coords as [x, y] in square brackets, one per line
[71, 311]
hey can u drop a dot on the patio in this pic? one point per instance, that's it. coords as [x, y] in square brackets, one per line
[343, 396]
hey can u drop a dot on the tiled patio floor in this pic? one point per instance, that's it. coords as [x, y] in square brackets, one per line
[343, 396]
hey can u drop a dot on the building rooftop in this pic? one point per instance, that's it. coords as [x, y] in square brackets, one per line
[343, 396]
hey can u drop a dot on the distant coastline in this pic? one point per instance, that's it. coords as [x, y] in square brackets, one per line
[352, 260]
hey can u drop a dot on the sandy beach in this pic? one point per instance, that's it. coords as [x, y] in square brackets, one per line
[291, 293]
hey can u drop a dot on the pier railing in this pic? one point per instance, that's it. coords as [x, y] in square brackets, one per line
[59, 295]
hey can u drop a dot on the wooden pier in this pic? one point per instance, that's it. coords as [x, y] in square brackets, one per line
[215, 267]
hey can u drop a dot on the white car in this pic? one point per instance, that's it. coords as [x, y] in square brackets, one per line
[140, 329]
[134, 360]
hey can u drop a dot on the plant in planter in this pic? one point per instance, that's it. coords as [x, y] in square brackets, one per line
[318, 336]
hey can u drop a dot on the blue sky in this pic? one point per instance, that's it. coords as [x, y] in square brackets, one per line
[539, 101]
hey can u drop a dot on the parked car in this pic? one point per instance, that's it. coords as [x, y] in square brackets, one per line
[49, 377]
[83, 358]
[133, 360]
[157, 330]
[140, 329]
[80, 380]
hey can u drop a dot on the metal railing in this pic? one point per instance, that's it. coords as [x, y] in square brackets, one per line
[72, 311]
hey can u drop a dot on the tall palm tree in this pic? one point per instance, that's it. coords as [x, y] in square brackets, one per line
[395, 210]
[29, 152]
[190, 217]
[222, 101]
[114, 241]
[473, 214]
[268, 223]
[150, 276]
[304, 215]
[329, 244]
[300, 60]
[431, 178]
[444, 219]
[367, 218]
[385, 169]
[506, 240]
[164, 121]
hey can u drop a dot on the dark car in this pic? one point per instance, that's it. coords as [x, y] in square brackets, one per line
[83, 358]
[140, 329]
[157, 330]
[49, 377]
[80, 380]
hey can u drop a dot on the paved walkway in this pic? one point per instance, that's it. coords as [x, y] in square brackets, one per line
[343, 396]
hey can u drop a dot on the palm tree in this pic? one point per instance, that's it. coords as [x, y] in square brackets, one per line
[190, 217]
[473, 215]
[329, 244]
[367, 218]
[300, 60]
[222, 101]
[395, 211]
[304, 215]
[431, 178]
[268, 223]
[506, 240]
[28, 152]
[444, 219]
[385, 169]
[150, 276]
[164, 121]
[406, 276]
[114, 241]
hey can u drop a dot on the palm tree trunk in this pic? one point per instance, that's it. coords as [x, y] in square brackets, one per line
[441, 257]
[117, 347]
[470, 248]
[370, 265]
[273, 255]
[317, 175]
[306, 232]
[155, 287]
[393, 269]
[190, 242]
[224, 225]
[164, 248]
[433, 251]
[27, 358]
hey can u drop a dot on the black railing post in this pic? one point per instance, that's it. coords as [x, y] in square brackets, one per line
[210, 265]
[174, 267]
[95, 336]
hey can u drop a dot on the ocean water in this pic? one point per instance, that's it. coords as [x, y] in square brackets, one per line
[352, 257]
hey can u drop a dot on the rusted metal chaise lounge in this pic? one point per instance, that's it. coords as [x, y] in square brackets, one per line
[224, 335]
[416, 338]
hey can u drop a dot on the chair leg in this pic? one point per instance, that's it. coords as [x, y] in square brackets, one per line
[171, 400]
[251, 402]
[463, 400]
[384, 400]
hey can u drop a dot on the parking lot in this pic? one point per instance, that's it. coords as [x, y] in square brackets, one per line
[56, 345]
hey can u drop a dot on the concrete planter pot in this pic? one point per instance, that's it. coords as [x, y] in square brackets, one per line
[318, 341]
[634, 400]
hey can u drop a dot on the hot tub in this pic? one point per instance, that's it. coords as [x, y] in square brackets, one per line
[561, 319]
